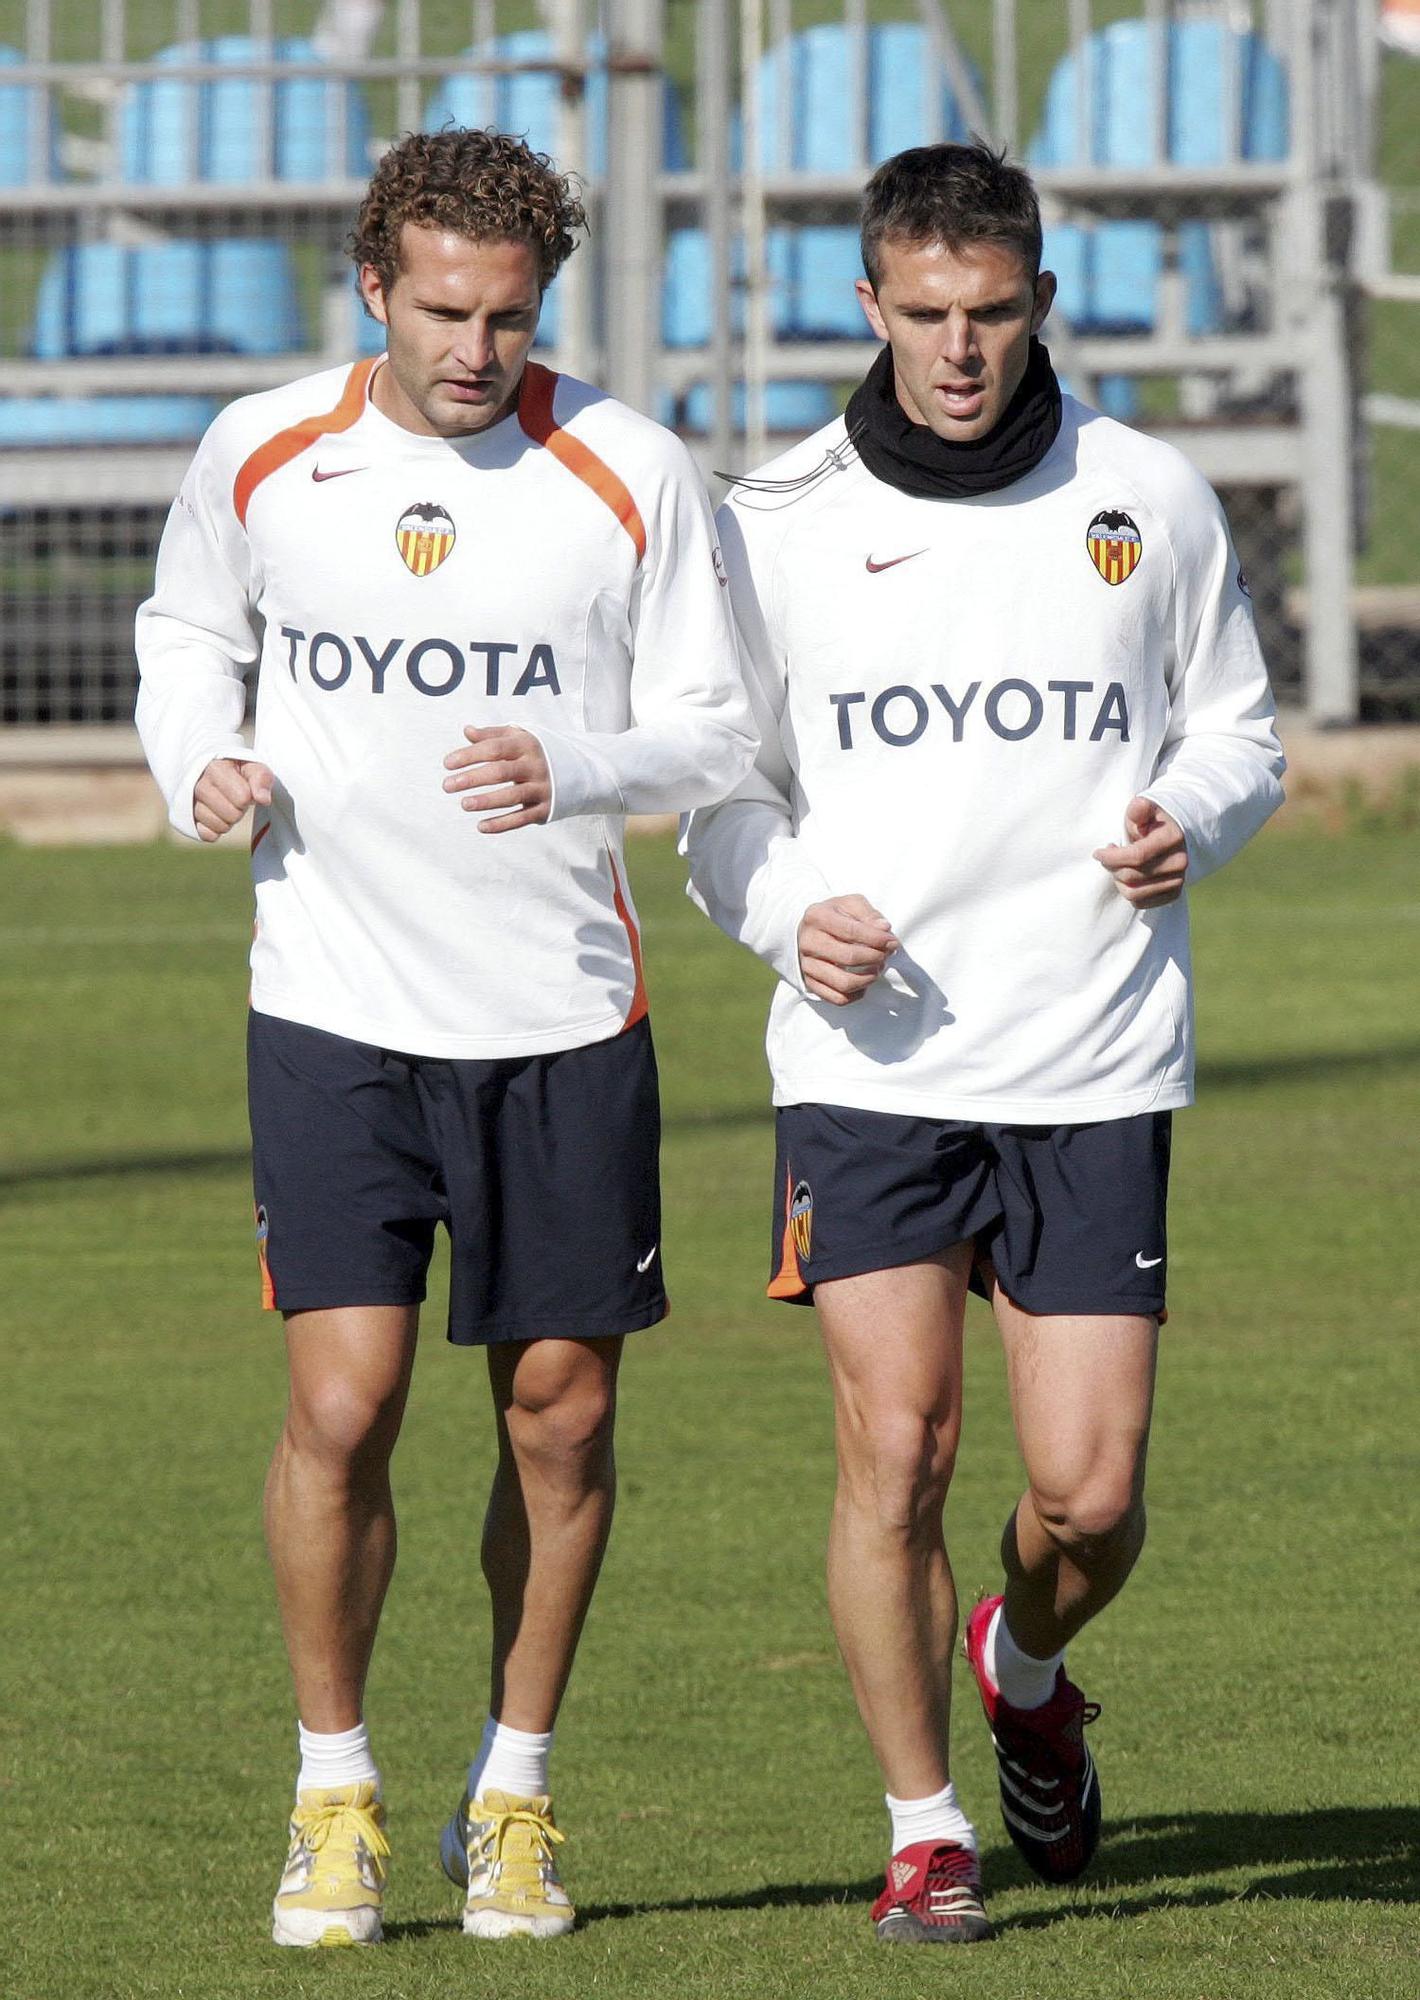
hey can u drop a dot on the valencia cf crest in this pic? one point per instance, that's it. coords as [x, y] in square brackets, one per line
[263, 1234]
[425, 535]
[801, 1219]
[1115, 546]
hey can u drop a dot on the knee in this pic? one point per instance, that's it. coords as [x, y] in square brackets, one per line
[896, 1468]
[344, 1425]
[1095, 1521]
[564, 1419]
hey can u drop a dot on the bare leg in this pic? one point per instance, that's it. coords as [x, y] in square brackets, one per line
[329, 1514]
[893, 1340]
[1082, 1393]
[549, 1514]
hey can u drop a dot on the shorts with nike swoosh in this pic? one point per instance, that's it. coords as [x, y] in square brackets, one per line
[544, 1170]
[1070, 1217]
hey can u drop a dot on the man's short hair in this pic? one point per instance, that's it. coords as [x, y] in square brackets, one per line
[485, 185]
[952, 195]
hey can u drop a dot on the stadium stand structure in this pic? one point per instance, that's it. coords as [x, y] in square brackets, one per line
[1226, 97]
[175, 205]
[804, 91]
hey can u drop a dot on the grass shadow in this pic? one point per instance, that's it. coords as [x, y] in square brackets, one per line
[126, 1166]
[1339, 1854]
[410, 1929]
[1342, 1854]
[772, 1896]
[1303, 1065]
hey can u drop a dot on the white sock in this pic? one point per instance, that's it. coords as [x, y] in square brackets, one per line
[936, 1818]
[341, 1759]
[1022, 1680]
[510, 1760]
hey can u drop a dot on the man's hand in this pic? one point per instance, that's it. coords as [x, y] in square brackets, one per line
[1149, 868]
[843, 946]
[507, 772]
[227, 789]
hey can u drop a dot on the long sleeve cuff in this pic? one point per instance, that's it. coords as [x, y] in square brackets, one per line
[1219, 818]
[180, 802]
[653, 768]
[750, 876]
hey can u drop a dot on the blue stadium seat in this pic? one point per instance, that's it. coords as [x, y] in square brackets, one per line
[812, 269]
[798, 407]
[78, 422]
[167, 298]
[1109, 274]
[232, 295]
[21, 104]
[176, 131]
[525, 102]
[685, 322]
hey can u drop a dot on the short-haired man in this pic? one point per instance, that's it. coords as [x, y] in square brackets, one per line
[1011, 697]
[492, 624]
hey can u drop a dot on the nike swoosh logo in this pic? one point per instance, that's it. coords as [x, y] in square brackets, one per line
[1146, 1263]
[343, 472]
[644, 1263]
[892, 561]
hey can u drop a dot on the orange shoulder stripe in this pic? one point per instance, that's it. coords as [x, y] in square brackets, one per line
[289, 444]
[539, 386]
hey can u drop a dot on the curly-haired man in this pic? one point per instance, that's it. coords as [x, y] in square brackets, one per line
[488, 612]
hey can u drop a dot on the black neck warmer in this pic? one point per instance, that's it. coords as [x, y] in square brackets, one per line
[915, 460]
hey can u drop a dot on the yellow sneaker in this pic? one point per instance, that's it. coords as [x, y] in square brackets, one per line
[332, 1889]
[501, 1850]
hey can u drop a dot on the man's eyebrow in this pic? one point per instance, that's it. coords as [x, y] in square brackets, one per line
[1011, 299]
[462, 312]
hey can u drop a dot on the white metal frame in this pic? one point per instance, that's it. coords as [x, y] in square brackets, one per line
[1322, 221]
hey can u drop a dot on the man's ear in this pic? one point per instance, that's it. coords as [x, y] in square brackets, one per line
[373, 293]
[1044, 300]
[868, 300]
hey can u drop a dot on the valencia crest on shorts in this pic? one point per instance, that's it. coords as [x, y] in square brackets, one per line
[425, 535]
[1115, 545]
[801, 1219]
[263, 1233]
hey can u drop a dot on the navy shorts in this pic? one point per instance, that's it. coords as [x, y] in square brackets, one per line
[544, 1170]
[1070, 1217]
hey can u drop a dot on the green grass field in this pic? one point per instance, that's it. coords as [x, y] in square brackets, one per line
[1257, 1742]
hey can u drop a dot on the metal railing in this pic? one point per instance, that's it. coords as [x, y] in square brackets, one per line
[697, 129]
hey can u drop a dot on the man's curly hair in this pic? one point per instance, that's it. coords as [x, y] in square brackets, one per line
[485, 185]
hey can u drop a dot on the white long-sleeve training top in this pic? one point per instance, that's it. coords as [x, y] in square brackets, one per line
[957, 700]
[557, 572]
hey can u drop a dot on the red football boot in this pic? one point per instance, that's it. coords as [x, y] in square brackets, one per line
[1050, 1793]
[932, 1896]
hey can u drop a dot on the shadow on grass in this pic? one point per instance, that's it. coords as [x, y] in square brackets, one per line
[1229, 1073]
[1343, 1854]
[1303, 1065]
[221, 1160]
[127, 1166]
[773, 1896]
